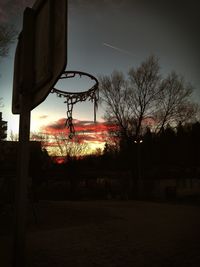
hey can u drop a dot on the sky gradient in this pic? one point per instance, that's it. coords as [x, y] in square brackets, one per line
[111, 35]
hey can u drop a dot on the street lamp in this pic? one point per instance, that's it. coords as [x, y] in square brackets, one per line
[138, 141]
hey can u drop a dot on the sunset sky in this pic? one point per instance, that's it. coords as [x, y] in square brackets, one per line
[104, 36]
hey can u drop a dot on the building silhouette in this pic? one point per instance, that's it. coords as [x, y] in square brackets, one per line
[3, 128]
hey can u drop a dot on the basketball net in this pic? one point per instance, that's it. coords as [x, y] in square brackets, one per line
[71, 98]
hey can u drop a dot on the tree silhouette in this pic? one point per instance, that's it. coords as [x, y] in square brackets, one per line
[115, 94]
[7, 37]
[67, 147]
[145, 96]
[129, 102]
[174, 105]
[144, 84]
[3, 128]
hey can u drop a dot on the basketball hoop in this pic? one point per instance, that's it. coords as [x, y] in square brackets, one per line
[71, 98]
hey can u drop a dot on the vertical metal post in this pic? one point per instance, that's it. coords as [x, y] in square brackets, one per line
[138, 180]
[20, 220]
[139, 167]
[139, 160]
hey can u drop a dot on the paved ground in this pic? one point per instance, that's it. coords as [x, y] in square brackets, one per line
[111, 234]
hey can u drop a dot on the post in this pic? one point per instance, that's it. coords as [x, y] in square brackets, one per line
[20, 219]
[139, 168]
[139, 183]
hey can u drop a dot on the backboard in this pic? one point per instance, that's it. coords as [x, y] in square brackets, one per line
[50, 52]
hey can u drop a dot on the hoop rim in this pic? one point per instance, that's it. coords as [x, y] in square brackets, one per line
[71, 98]
[71, 74]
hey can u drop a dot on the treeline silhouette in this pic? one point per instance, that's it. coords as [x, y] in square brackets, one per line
[173, 153]
[170, 154]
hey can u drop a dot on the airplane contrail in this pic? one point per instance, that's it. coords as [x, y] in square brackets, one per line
[118, 49]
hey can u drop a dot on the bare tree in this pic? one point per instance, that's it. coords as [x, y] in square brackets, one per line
[14, 136]
[70, 147]
[7, 37]
[145, 89]
[188, 113]
[115, 94]
[59, 144]
[145, 96]
[174, 105]
[129, 102]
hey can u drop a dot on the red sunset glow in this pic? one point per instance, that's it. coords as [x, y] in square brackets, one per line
[88, 132]
[95, 135]
[85, 126]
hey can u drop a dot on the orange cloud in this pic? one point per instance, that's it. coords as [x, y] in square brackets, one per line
[86, 131]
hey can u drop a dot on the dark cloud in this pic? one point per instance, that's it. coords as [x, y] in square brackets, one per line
[55, 126]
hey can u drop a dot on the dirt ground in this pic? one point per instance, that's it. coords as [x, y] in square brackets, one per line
[109, 234]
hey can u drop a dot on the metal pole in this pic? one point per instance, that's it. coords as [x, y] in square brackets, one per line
[140, 184]
[21, 186]
[139, 168]
[20, 220]
[138, 143]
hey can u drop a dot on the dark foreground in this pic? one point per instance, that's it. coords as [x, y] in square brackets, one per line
[110, 233]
